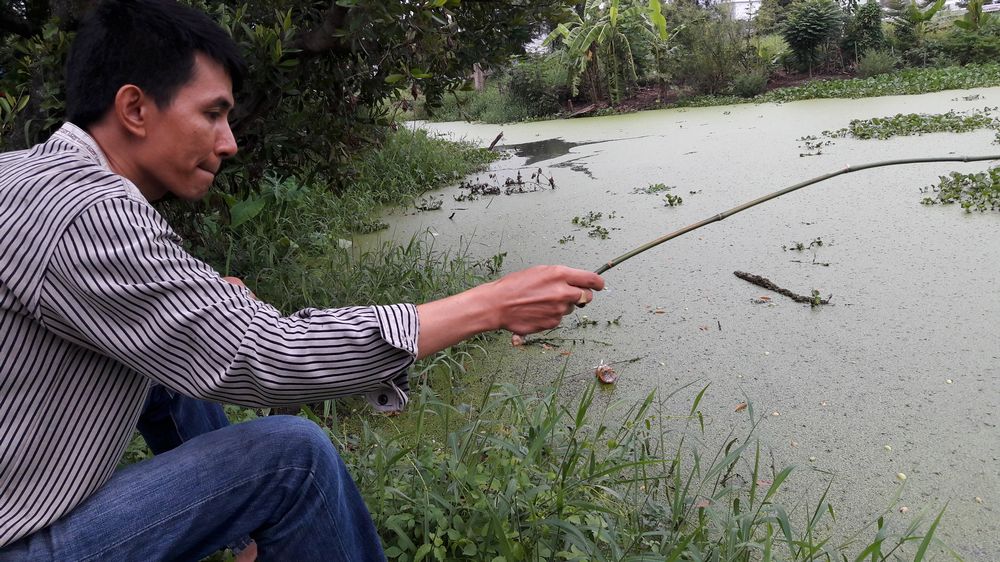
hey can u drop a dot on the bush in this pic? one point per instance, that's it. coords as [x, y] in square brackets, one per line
[874, 63]
[969, 46]
[712, 50]
[749, 84]
[534, 84]
[771, 49]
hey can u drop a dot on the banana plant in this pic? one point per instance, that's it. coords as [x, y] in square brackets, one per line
[975, 18]
[598, 35]
[915, 18]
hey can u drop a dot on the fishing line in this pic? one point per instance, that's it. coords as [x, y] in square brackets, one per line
[781, 192]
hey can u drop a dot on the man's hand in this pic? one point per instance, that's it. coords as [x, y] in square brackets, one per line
[239, 283]
[523, 302]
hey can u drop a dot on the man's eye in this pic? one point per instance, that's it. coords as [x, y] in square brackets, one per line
[213, 115]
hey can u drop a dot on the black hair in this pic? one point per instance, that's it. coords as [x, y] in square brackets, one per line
[148, 43]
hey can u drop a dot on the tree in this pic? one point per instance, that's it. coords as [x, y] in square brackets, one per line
[597, 35]
[864, 30]
[809, 25]
[975, 19]
[910, 23]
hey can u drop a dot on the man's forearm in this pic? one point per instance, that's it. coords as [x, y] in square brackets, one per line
[522, 302]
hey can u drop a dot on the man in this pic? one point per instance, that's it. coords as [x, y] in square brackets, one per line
[99, 304]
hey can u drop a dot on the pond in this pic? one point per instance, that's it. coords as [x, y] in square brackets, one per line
[899, 374]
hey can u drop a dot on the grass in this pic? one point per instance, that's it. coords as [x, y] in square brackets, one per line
[527, 475]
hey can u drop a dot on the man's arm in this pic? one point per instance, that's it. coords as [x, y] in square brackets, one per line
[523, 302]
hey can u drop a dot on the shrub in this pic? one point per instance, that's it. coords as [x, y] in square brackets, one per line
[969, 46]
[712, 50]
[749, 84]
[874, 63]
[771, 49]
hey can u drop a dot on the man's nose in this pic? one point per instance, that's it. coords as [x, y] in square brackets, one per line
[225, 145]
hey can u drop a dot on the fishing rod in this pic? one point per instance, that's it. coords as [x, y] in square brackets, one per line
[779, 193]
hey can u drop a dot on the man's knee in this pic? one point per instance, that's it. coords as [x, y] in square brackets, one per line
[290, 437]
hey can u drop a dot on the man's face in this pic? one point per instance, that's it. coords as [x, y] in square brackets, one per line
[188, 139]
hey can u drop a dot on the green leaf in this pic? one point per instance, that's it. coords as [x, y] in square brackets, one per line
[424, 550]
[656, 16]
[393, 78]
[245, 210]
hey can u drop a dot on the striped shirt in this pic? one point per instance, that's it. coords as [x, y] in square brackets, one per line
[98, 301]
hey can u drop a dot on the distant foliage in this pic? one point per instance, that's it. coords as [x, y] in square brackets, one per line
[712, 49]
[874, 63]
[810, 24]
[750, 84]
[863, 32]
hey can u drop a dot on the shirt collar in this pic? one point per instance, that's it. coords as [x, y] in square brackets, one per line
[82, 141]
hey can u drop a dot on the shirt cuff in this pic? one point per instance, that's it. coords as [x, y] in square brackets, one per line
[393, 397]
[400, 328]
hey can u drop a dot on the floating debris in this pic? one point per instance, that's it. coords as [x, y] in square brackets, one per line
[605, 373]
[901, 477]
[741, 406]
[904, 509]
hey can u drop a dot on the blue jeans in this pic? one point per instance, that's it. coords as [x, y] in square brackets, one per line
[276, 479]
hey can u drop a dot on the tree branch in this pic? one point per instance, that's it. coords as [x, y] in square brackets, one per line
[323, 38]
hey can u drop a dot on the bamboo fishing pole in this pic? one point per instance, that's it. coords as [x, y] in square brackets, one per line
[779, 193]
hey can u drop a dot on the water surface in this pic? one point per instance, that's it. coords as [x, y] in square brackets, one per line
[906, 356]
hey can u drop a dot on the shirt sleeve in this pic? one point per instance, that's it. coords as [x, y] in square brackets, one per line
[119, 282]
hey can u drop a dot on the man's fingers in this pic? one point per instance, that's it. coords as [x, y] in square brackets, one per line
[584, 279]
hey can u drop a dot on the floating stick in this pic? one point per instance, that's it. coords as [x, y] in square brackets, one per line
[781, 192]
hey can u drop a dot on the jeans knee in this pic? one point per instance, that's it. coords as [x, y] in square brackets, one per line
[290, 437]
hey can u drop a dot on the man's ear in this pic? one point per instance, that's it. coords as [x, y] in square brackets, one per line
[132, 109]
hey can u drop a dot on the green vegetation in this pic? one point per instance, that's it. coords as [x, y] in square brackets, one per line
[917, 124]
[290, 242]
[653, 188]
[534, 476]
[809, 24]
[590, 220]
[874, 63]
[973, 192]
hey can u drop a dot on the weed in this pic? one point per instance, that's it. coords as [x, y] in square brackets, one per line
[653, 188]
[567, 238]
[671, 200]
[525, 475]
[590, 221]
[918, 124]
[973, 192]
